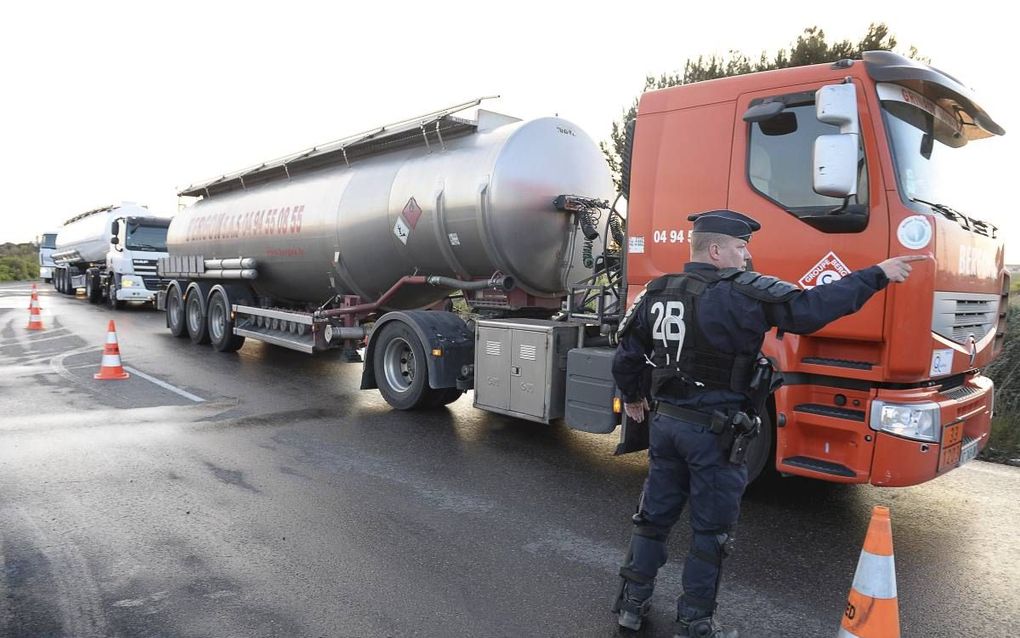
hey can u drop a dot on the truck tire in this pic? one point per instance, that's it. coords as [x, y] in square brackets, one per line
[443, 396]
[761, 453]
[401, 372]
[221, 325]
[197, 319]
[175, 312]
[93, 289]
[111, 295]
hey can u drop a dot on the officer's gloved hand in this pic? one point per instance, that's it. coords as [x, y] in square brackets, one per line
[636, 411]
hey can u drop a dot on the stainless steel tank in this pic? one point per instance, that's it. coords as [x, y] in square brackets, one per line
[478, 204]
[87, 236]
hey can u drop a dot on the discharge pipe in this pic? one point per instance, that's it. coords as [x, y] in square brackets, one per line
[497, 282]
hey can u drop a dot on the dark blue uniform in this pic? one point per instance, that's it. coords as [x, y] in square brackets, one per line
[685, 460]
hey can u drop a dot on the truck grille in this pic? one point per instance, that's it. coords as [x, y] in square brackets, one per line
[144, 267]
[958, 315]
[154, 283]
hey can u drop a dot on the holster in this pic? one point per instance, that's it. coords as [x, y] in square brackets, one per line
[736, 431]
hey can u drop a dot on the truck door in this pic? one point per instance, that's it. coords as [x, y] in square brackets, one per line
[807, 238]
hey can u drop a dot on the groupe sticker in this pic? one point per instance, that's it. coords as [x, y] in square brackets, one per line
[914, 232]
[829, 268]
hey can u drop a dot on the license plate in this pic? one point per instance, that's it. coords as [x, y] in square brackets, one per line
[969, 451]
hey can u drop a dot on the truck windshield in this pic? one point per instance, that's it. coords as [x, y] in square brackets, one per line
[150, 238]
[927, 166]
[49, 240]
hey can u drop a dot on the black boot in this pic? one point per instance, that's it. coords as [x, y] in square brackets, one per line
[632, 612]
[702, 628]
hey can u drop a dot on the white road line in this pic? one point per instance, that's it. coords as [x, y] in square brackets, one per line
[164, 384]
[6, 341]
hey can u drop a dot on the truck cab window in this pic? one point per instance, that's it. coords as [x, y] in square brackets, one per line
[146, 238]
[779, 168]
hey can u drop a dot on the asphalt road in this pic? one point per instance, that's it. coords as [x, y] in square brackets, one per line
[262, 494]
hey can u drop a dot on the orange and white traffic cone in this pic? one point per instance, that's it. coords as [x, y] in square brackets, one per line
[35, 295]
[111, 367]
[871, 609]
[34, 316]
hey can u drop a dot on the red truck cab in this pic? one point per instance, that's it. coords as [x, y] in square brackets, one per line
[892, 395]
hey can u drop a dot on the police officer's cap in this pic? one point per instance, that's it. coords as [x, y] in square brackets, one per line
[724, 222]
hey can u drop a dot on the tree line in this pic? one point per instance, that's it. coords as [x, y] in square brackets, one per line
[19, 261]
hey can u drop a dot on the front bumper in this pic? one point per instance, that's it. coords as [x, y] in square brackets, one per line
[824, 433]
[135, 294]
[143, 288]
[966, 420]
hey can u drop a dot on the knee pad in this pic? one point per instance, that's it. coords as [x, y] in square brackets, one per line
[643, 527]
[712, 547]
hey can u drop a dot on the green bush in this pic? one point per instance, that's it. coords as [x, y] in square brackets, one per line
[1004, 443]
[19, 262]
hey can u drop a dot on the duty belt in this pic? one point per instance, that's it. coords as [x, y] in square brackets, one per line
[684, 414]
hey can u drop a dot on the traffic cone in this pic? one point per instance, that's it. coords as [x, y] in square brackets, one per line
[111, 367]
[871, 608]
[34, 318]
[35, 295]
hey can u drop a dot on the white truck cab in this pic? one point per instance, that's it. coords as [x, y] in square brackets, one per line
[112, 253]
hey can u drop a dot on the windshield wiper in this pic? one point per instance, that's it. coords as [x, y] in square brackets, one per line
[946, 211]
[145, 247]
[968, 223]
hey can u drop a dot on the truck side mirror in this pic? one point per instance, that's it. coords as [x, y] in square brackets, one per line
[115, 227]
[834, 171]
[115, 240]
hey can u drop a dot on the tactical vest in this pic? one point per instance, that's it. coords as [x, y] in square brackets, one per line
[684, 361]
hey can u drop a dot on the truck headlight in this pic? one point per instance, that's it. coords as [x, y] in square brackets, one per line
[127, 281]
[918, 421]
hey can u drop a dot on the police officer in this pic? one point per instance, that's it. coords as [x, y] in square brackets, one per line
[702, 331]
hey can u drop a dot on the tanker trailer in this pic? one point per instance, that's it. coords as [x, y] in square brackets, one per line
[111, 252]
[361, 243]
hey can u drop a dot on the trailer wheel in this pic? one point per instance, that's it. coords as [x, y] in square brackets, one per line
[111, 295]
[93, 289]
[196, 317]
[221, 325]
[65, 282]
[400, 368]
[69, 288]
[175, 312]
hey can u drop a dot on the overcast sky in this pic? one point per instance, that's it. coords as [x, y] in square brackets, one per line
[110, 101]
